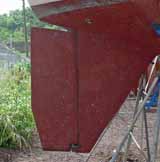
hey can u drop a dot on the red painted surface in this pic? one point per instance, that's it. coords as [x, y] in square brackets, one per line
[150, 8]
[108, 68]
[53, 88]
[81, 77]
[99, 19]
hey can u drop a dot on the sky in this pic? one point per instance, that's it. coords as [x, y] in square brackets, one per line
[8, 5]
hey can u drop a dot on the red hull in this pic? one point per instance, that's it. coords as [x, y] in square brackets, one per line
[81, 77]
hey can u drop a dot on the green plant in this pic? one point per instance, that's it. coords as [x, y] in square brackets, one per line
[16, 119]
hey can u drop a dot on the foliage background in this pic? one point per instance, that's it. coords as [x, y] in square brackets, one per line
[12, 27]
[16, 119]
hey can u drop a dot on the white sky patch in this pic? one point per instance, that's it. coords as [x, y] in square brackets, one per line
[8, 5]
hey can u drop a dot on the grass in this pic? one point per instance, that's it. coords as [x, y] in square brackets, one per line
[16, 119]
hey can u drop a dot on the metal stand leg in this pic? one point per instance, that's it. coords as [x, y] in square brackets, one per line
[147, 135]
[142, 130]
[145, 84]
[144, 118]
[141, 107]
[139, 95]
[157, 131]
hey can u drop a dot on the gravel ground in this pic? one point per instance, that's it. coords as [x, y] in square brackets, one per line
[104, 149]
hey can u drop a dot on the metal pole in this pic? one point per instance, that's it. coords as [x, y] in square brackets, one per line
[147, 135]
[157, 131]
[139, 94]
[141, 107]
[144, 116]
[142, 130]
[25, 29]
[138, 146]
[151, 73]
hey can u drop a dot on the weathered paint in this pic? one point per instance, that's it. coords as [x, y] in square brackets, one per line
[149, 8]
[53, 88]
[47, 9]
[81, 77]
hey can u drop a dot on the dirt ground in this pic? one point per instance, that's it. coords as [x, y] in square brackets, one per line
[104, 149]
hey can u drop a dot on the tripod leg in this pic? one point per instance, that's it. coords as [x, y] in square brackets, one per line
[139, 95]
[141, 107]
[147, 135]
[157, 132]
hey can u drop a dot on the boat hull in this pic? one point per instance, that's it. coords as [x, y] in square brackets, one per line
[81, 76]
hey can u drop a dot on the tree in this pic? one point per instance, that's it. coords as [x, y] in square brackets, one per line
[12, 26]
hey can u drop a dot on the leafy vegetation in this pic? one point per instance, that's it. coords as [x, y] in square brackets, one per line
[12, 26]
[16, 119]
